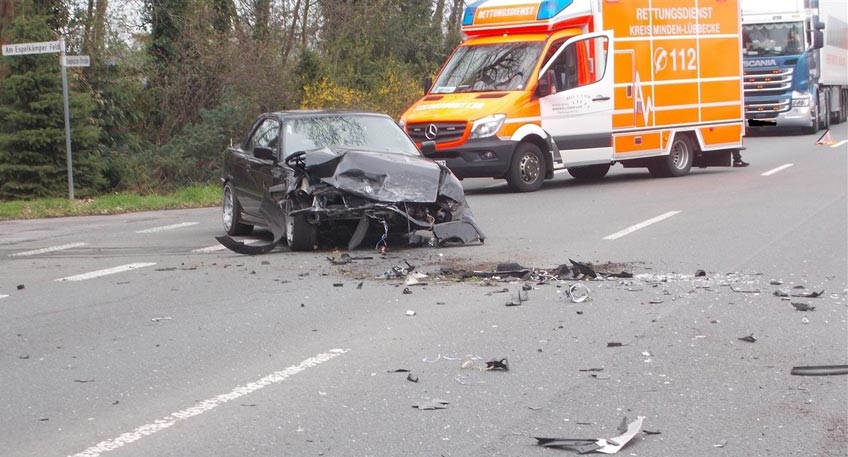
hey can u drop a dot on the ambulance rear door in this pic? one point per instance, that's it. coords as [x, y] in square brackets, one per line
[578, 111]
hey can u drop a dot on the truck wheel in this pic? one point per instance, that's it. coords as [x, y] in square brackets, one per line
[677, 162]
[590, 172]
[527, 170]
[816, 120]
[300, 234]
[231, 214]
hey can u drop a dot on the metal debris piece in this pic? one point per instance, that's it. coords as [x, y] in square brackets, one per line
[802, 306]
[821, 370]
[501, 364]
[652, 432]
[432, 404]
[723, 443]
[809, 294]
[400, 370]
[578, 293]
[614, 344]
[590, 369]
[411, 378]
[750, 338]
[600, 445]
[776, 282]
[745, 291]
[781, 293]
[157, 319]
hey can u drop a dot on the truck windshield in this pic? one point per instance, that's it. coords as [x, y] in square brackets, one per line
[503, 66]
[770, 40]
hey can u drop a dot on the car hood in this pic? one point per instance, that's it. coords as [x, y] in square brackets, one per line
[383, 177]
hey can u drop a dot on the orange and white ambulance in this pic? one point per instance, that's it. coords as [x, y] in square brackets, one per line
[584, 84]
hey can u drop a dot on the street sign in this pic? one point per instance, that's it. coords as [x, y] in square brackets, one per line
[44, 47]
[77, 61]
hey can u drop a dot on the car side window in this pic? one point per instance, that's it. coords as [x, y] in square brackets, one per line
[266, 135]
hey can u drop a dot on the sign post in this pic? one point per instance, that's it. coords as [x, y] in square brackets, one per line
[48, 47]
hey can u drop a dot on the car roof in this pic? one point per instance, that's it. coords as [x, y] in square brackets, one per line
[320, 112]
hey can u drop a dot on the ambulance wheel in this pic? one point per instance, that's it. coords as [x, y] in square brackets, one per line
[527, 170]
[677, 162]
[590, 172]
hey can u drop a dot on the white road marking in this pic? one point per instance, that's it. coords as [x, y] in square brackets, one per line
[207, 405]
[839, 144]
[640, 225]
[167, 227]
[3, 296]
[108, 271]
[50, 249]
[221, 247]
[775, 170]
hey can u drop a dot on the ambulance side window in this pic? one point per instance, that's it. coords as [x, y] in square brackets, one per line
[581, 63]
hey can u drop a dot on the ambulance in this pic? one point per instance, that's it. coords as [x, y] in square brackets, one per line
[585, 84]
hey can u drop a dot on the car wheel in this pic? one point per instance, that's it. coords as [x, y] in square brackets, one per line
[527, 170]
[231, 214]
[590, 172]
[300, 234]
[677, 162]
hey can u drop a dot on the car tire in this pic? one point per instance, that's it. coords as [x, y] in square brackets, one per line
[231, 213]
[527, 170]
[591, 172]
[678, 162]
[300, 234]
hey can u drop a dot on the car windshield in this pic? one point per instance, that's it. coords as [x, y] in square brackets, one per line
[363, 132]
[504, 66]
[773, 40]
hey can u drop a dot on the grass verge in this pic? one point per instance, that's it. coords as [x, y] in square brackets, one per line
[189, 197]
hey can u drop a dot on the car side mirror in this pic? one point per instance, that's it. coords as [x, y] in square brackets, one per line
[543, 89]
[265, 153]
[428, 147]
[817, 39]
[427, 84]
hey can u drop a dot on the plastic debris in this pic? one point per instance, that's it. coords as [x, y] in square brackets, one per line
[700, 273]
[723, 443]
[157, 319]
[599, 445]
[411, 378]
[821, 370]
[410, 313]
[614, 344]
[432, 404]
[416, 279]
[501, 364]
[749, 339]
[21, 286]
[577, 293]
[579, 270]
[802, 306]
[338, 284]
[406, 291]
[809, 294]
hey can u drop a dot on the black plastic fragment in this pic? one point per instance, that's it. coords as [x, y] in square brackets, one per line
[700, 273]
[749, 339]
[501, 364]
[247, 249]
[821, 370]
[614, 344]
[802, 306]
[406, 291]
[582, 446]
[580, 269]
[411, 378]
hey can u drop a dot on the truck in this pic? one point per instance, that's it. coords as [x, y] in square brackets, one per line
[795, 59]
[582, 85]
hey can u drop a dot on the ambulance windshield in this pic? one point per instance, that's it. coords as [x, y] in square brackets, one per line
[502, 66]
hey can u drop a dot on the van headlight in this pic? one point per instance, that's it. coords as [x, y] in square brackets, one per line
[487, 126]
[801, 100]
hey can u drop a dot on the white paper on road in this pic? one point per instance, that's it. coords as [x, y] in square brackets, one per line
[46, 250]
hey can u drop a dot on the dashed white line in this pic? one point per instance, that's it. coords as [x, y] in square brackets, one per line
[775, 170]
[221, 247]
[108, 271]
[3, 296]
[207, 405]
[839, 144]
[167, 227]
[640, 225]
[46, 250]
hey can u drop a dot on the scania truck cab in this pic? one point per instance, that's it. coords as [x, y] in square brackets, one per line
[584, 84]
[794, 59]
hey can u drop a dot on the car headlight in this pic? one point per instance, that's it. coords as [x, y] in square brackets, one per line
[801, 100]
[487, 126]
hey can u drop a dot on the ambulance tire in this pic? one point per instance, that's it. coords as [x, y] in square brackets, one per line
[590, 172]
[527, 170]
[678, 162]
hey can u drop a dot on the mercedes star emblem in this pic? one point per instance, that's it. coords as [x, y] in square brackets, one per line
[431, 132]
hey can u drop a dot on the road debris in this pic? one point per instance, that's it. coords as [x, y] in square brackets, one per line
[518, 298]
[577, 293]
[614, 344]
[411, 378]
[432, 404]
[158, 319]
[406, 291]
[21, 286]
[700, 273]
[821, 370]
[597, 445]
[338, 284]
[83, 381]
[416, 279]
[723, 443]
[502, 365]
[749, 339]
[802, 306]
[410, 313]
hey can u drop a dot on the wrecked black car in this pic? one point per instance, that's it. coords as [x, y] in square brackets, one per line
[299, 173]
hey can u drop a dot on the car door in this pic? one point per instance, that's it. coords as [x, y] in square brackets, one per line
[260, 171]
[578, 111]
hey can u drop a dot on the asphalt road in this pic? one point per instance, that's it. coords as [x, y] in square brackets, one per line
[134, 335]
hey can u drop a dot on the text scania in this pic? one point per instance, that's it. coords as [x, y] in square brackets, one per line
[506, 12]
[760, 63]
